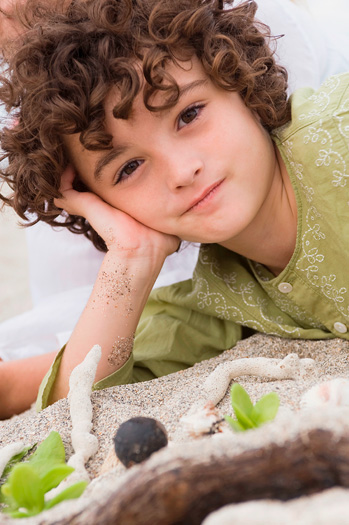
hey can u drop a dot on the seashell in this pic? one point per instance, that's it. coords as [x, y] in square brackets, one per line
[334, 393]
[203, 420]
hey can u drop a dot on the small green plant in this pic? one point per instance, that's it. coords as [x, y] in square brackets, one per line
[248, 415]
[23, 492]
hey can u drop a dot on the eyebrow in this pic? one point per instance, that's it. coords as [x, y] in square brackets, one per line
[108, 158]
[121, 148]
[192, 85]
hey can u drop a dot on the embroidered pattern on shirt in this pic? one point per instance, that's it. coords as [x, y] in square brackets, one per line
[297, 169]
[312, 258]
[321, 99]
[246, 291]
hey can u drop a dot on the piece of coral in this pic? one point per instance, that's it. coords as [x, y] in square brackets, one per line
[200, 419]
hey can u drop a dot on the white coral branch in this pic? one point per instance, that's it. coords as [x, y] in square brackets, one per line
[290, 367]
[199, 420]
[79, 397]
[7, 453]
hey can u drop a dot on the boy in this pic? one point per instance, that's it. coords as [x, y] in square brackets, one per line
[161, 114]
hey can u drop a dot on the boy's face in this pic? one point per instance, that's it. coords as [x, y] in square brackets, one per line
[201, 171]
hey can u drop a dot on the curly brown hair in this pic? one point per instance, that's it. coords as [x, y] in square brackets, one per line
[57, 81]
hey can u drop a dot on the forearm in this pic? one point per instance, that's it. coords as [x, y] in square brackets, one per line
[20, 381]
[111, 315]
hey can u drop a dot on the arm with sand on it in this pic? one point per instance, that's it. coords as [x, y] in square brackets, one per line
[134, 259]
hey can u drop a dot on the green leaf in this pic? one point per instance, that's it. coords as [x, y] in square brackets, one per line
[53, 477]
[25, 488]
[244, 420]
[13, 461]
[265, 409]
[49, 454]
[72, 492]
[24, 491]
[235, 425]
[240, 398]
[242, 405]
[249, 416]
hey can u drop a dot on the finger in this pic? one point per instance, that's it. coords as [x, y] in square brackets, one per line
[67, 179]
[66, 185]
[75, 202]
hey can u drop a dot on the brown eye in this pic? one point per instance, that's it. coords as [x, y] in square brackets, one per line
[128, 169]
[188, 116]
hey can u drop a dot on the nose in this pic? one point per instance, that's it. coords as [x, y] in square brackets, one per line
[182, 168]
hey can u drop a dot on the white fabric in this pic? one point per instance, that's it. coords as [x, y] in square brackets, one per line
[311, 50]
[40, 330]
[63, 266]
[60, 261]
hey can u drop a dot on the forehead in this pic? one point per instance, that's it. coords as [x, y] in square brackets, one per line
[180, 72]
[82, 159]
[187, 74]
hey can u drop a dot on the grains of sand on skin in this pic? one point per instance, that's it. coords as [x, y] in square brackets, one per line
[121, 351]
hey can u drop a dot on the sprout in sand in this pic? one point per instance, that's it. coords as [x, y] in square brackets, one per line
[248, 415]
[23, 493]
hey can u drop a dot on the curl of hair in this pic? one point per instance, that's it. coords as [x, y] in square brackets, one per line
[57, 81]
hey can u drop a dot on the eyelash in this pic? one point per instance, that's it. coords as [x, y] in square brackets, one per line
[197, 107]
[119, 177]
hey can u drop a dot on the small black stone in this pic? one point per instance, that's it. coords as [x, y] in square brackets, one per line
[137, 438]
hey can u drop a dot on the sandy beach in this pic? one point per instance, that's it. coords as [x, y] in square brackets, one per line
[168, 399]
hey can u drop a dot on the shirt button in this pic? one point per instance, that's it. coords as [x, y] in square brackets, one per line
[340, 327]
[285, 287]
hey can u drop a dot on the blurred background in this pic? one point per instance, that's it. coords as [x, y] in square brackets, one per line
[330, 11]
[14, 275]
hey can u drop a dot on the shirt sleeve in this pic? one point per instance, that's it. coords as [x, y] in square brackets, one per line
[173, 334]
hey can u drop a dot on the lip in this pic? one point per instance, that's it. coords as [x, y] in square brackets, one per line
[205, 195]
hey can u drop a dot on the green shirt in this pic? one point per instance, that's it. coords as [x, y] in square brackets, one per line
[197, 319]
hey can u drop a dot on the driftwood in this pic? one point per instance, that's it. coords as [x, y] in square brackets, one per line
[182, 490]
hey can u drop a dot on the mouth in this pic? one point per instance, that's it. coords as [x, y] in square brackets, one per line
[205, 196]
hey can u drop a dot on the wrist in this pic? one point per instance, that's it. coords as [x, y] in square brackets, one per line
[127, 277]
[140, 261]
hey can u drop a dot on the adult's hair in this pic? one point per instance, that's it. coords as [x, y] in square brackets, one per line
[58, 79]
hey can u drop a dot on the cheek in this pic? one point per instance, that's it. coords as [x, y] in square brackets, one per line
[138, 204]
[149, 211]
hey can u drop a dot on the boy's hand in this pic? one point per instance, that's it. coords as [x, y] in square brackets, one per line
[119, 231]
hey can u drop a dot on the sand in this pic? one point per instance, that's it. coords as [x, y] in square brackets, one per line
[169, 398]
